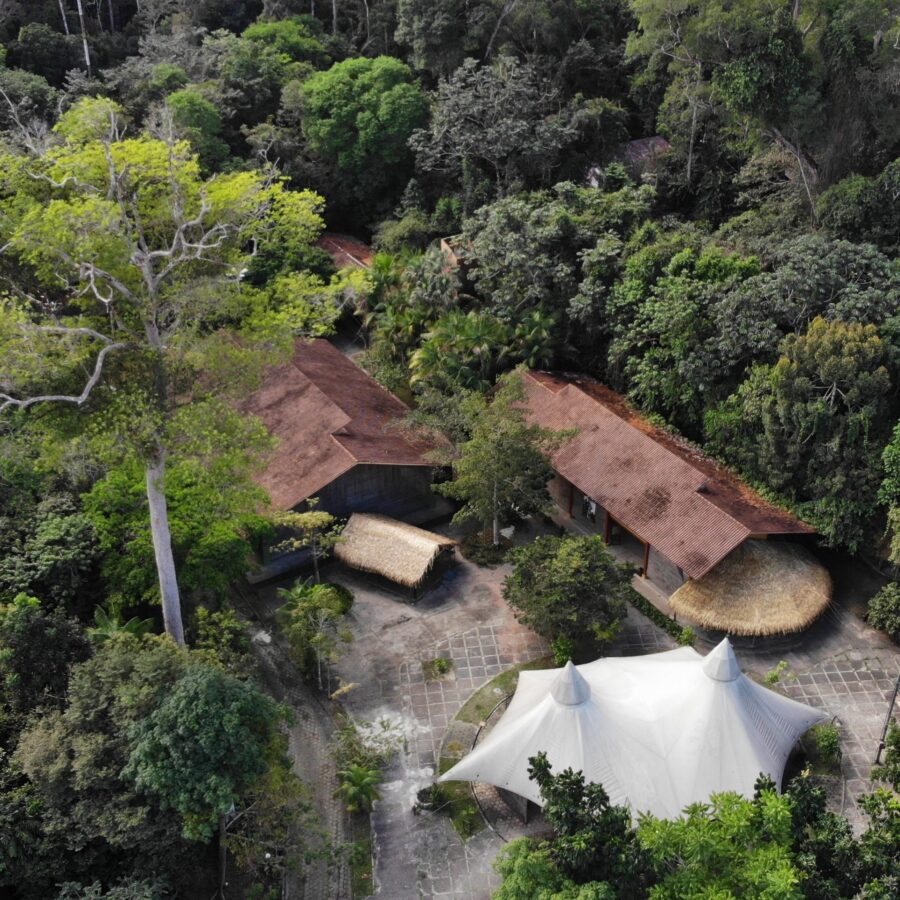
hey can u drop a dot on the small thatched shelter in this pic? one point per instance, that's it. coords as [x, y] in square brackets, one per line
[762, 587]
[394, 550]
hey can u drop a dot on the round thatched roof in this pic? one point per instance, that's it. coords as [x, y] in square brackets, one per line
[762, 587]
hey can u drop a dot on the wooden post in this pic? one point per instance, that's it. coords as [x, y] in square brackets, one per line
[607, 527]
[571, 497]
[646, 560]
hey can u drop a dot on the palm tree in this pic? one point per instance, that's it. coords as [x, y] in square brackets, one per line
[359, 787]
[533, 339]
[109, 624]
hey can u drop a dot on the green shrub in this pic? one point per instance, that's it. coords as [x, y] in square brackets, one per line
[563, 649]
[686, 637]
[433, 669]
[889, 770]
[481, 550]
[883, 611]
[828, 742]
[773, 676]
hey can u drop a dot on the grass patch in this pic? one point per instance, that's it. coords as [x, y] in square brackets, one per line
[361, 880]
[436, 669]
[479, 705]
[480, 549]
[455, 798]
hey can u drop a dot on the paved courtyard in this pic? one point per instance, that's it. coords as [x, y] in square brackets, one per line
[839, 665]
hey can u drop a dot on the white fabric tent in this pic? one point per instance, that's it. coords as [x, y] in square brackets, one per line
[658, 731]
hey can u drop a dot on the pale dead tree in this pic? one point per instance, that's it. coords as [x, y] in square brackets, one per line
[63, 16]
[84, 43]
[140, 290]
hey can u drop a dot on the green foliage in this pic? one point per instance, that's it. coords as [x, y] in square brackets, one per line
[889, 492]
[90, 817]
[109, 624]
[831, 384]
[863, 209]
[37, 649]
[727, 847]
[563, 649]
[883, 610]
[201, 123]
[828, 742]
[360, 114]
[127, 889]
[314, 528]
[686, 637]
[310, 619]
[358, 788]
[211, 503]
[203, 746]
[773, 676]
[502, 470]
[222, 634]
[435, 669]
[889, 770]
[567, 587]
[593, 840]
[51, 551]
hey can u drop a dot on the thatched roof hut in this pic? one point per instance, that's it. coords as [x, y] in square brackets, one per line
[760, 588]
[397, 551]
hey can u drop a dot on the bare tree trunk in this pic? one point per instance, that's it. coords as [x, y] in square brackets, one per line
[62, 13]
[314, 544]
[690, 157]
[508, 7]
[334, 16]
[496, 522]
[162, 547]
[84, 43]
[112, 15]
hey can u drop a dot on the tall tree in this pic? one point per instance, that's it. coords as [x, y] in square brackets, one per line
[133, 249]
[503, 469]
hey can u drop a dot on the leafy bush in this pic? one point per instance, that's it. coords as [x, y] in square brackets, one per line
[889, 770]
[686, 637]
[568, 586]
[563, 649]
[479, 549]
[773, 676]
[433, 669]
[828, 742]
[883, 611]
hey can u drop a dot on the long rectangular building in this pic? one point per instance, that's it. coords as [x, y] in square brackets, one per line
[620, 472]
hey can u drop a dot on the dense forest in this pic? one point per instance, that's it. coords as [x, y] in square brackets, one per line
[166, 168]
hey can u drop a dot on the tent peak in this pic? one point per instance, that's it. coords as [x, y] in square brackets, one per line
[569, 688]
[720, 663]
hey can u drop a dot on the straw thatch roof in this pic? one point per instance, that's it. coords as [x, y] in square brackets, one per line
[399, 552]
[762, 587]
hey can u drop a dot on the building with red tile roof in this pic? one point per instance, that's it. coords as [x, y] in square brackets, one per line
[338, 438]
[345, 251]
[620, 470]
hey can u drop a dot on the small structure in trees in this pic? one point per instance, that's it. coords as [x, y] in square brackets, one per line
[394, 550]
[339, 441]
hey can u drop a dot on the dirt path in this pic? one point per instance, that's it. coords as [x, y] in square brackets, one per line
[309, 739]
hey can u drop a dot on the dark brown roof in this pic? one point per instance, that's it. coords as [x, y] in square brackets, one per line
[347, 252]
[665, 490]
[328, 416]
[635, 153]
